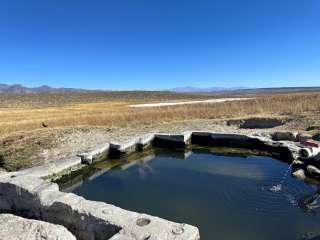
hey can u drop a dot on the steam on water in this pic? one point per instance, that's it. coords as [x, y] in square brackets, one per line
[278, 187]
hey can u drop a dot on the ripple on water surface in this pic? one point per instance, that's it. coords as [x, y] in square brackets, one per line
[227, 197]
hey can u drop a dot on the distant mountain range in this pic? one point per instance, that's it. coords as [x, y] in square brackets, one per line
[241, 90]
[18, 88]
[203, 90]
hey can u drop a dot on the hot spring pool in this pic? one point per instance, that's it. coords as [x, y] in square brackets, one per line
[227, 197]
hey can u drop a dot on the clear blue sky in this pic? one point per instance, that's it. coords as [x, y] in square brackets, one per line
[159, 44]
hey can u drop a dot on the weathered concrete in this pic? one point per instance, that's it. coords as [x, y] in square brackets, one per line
[103, 151]
[182, 140]
[87, 220]
[172, 140]
[120, 236]
[285, 150]
[117, 148]
[99, 153]
[51, 169]
[26, 194]
[145, 141]
[309, 152]
[17, 228]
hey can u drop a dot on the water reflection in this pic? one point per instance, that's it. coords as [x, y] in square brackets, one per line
[214, 192]
[144, 168]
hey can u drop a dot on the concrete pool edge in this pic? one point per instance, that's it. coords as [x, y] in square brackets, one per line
[26, 193]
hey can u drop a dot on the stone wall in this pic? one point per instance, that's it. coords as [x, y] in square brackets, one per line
[27, 194]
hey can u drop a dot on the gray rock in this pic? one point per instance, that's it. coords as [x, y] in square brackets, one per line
[252, 123]
[284, 136]
[313, 171]
[303, 136]
[17, 228]
[300, 174]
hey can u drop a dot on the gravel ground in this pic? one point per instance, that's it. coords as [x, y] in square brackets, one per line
[78, 140]
[34, 148]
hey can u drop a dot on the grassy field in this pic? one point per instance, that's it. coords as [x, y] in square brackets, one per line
[42, 100]
[29, 111]
[22, 134]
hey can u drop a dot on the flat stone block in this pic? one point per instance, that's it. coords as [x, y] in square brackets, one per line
[98, 153]
[145, 141]
[18, 228]
[50, 168]
[172, 140]
[123, 147]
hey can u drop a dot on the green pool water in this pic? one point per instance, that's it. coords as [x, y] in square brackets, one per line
[226, 196]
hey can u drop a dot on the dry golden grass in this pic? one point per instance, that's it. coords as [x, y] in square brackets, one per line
[116, 113]
[22, 137]
[42, 100]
